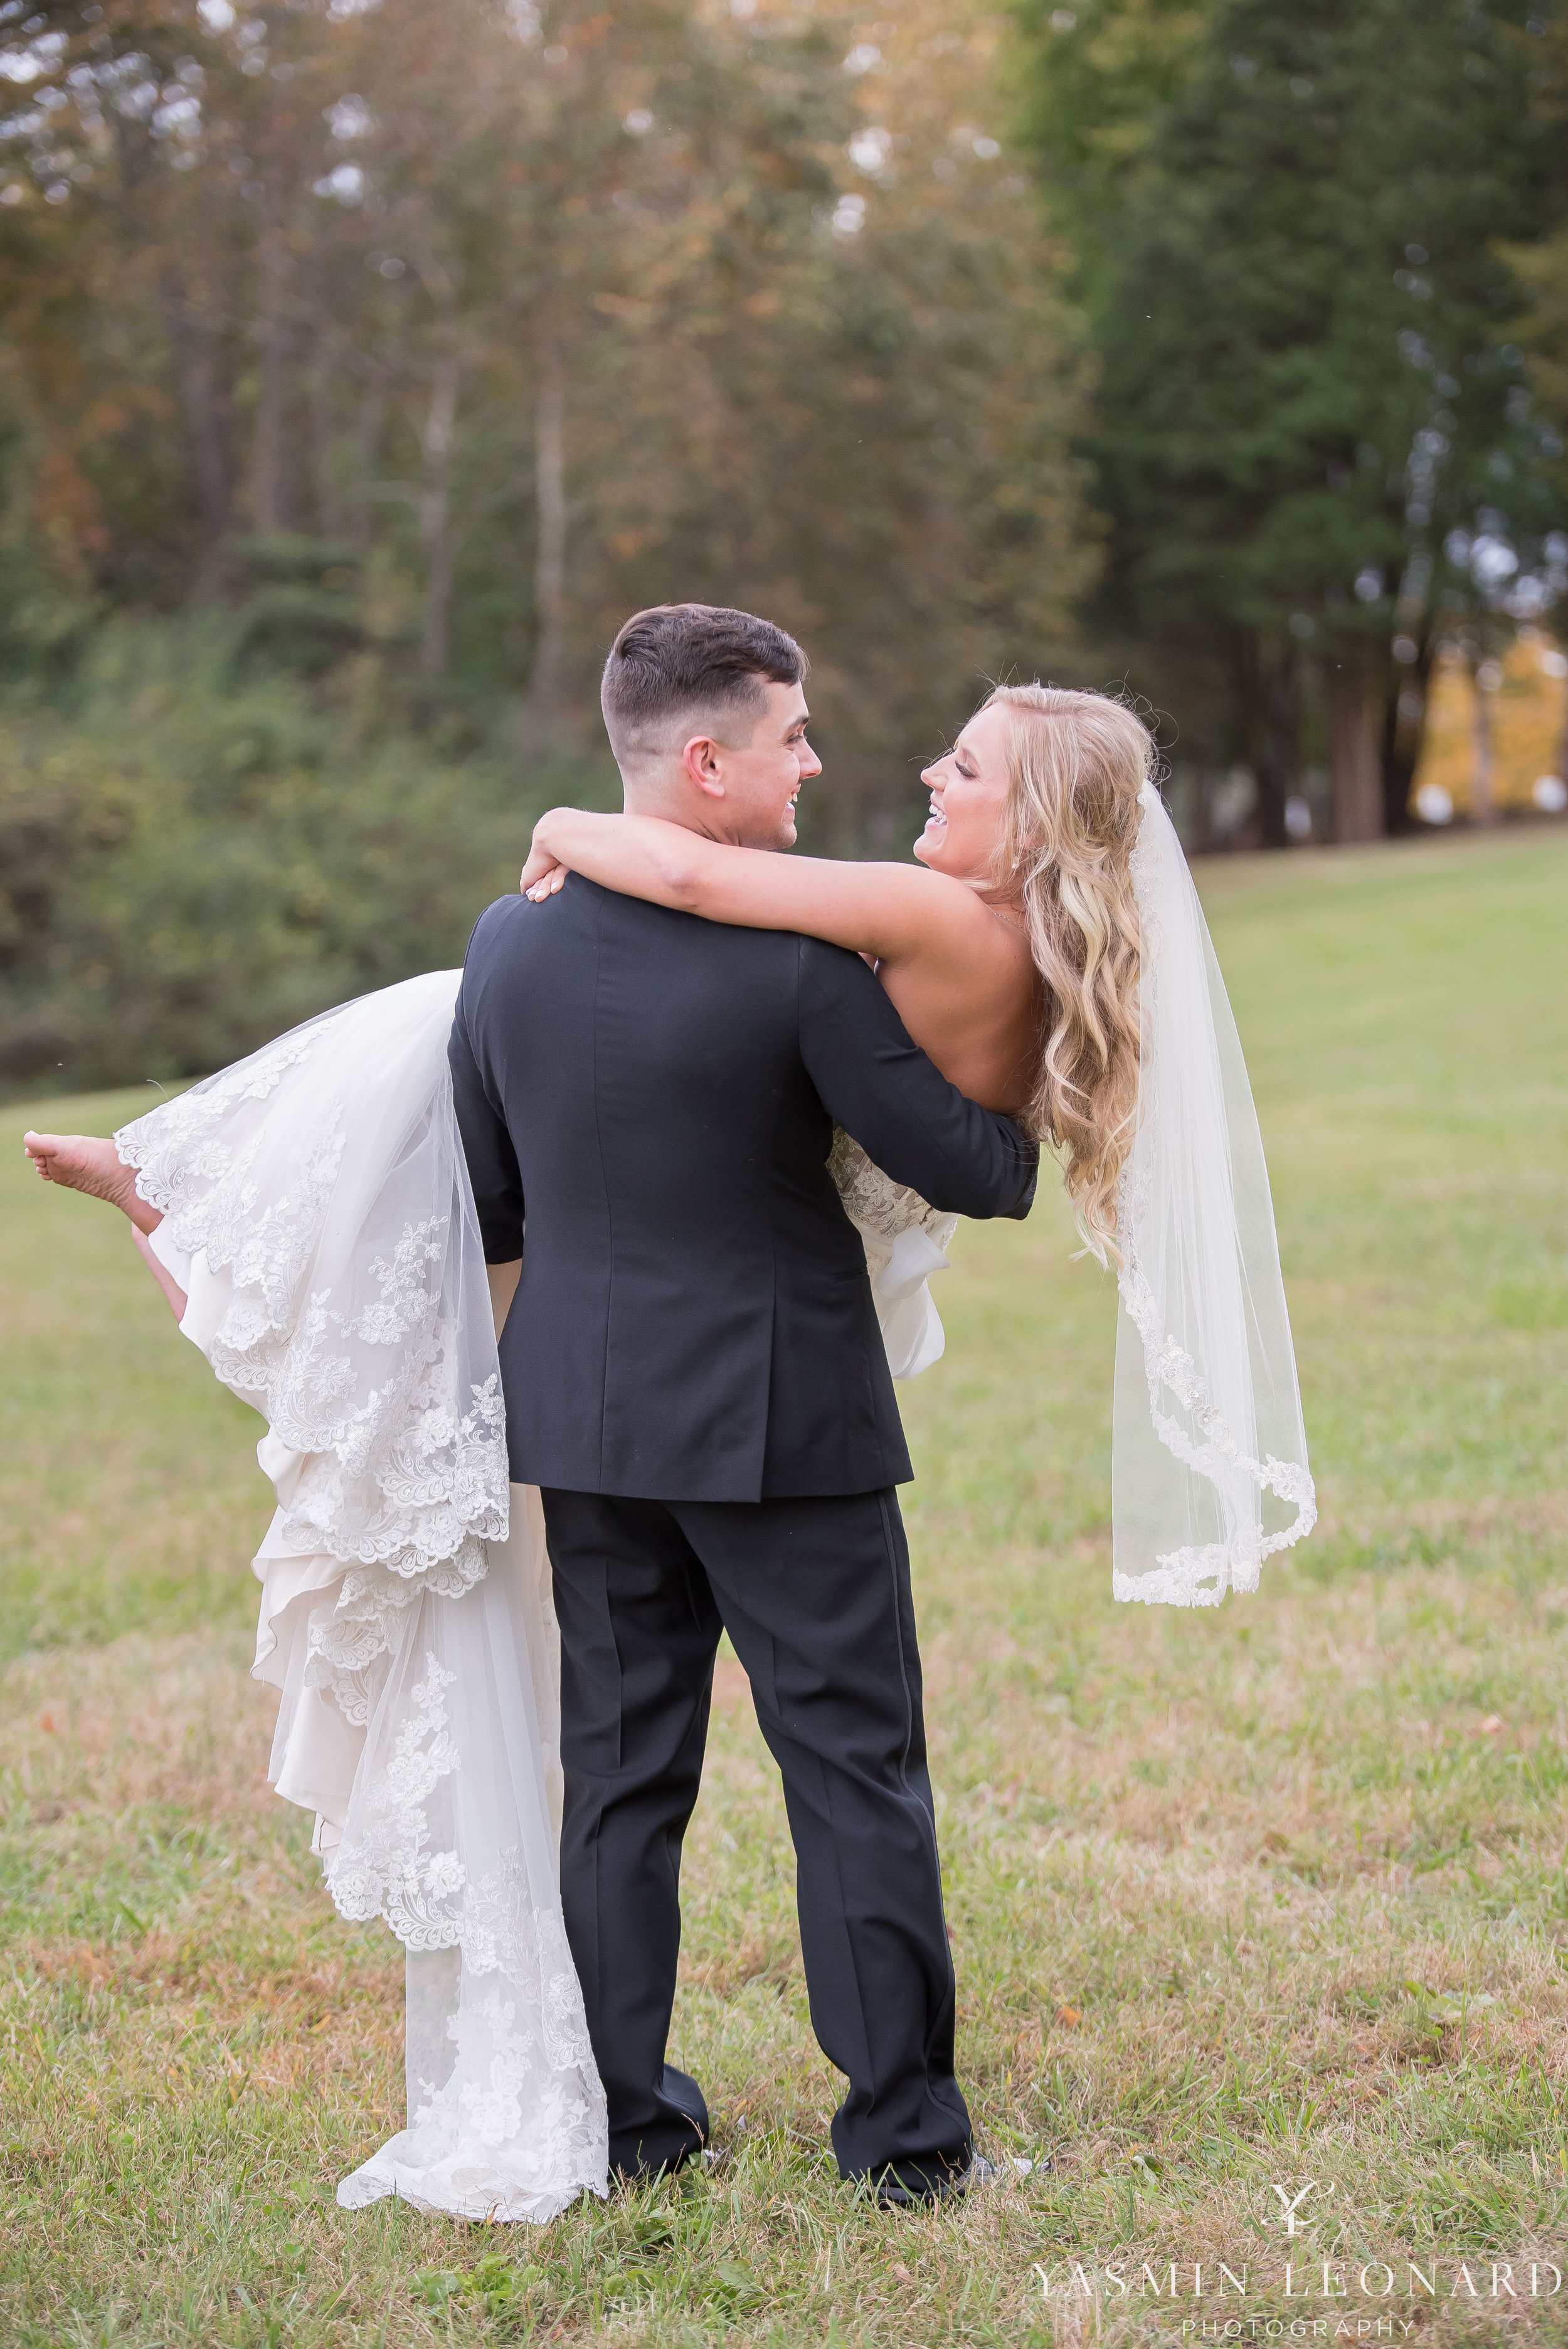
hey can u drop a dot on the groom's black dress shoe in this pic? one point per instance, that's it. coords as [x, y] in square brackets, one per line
[913, 2188]
[679, 2089]
[683, 2091]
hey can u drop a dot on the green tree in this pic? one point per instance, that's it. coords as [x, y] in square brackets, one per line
[407, 349]
[1542, 271]
[1310, 411]
[1543, 267]
[539, 309]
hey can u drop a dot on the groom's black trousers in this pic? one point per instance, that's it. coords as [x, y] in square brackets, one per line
[815, 1597]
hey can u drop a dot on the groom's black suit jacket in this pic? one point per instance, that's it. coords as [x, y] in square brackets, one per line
[656, 1095]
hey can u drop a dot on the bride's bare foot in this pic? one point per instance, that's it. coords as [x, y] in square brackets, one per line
[79, 1162]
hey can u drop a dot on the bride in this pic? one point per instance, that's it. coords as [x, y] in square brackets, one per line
[308, 1213]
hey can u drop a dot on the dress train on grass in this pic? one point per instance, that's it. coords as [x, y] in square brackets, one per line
[318, 1214]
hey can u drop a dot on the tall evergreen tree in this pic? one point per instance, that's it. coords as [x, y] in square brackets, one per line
[1310, 403]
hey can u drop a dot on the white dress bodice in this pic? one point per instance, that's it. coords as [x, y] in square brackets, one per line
[906, 1240]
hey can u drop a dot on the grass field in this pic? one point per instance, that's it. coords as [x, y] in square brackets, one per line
[1273, 1896]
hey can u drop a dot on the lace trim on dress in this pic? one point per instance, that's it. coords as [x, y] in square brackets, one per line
[317, 1213]
[906, 1241]
[876, 1203]
[347, 1343]
[396, 1471]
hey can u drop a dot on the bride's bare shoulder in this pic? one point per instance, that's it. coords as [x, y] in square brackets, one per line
[949, 916]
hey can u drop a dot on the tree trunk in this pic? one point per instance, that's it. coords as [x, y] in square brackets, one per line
[324, 481]
[326, 499]
[1404, 730]
[1278, 768]
[201, 373]
[1483, 805]
[270, 488]
[370, 425]
[1267, 684]
[550, 557]
[1202, 813]
[435, 517]
[1355, 735]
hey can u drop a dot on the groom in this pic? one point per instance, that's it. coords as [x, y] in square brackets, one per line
[695, 1380]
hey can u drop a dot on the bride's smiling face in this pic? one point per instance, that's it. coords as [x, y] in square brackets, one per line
[968, 803]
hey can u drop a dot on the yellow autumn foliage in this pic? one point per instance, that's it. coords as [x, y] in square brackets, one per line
[1525, 692]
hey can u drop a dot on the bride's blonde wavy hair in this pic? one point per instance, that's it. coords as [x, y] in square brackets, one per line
[1076, 764]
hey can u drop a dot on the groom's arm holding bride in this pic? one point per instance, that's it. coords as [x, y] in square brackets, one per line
[960, 1155]
[877, 1083]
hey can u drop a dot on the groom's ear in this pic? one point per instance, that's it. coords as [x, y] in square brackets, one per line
[702, 764]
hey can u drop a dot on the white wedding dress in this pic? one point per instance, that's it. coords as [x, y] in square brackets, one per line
[318, 1214]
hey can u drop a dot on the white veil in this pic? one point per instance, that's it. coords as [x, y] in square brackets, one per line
[1209, 1470]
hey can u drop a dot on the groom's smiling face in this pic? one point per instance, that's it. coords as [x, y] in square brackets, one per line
[746, 790]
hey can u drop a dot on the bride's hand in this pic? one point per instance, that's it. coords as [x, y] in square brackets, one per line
[636, 856]
[542, 876]
[542, 873]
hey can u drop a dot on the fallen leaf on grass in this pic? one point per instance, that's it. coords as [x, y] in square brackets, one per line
[492, 2281]
[650, 2236]
[734, 2284]
[435, 2285]
[1446, 2010]
[1068, 2017]
[1491, 1724]
[902, 2273]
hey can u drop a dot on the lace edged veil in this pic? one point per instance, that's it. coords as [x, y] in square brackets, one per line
[1209, 1454]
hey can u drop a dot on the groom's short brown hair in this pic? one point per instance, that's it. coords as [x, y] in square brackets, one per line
[675, 660]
